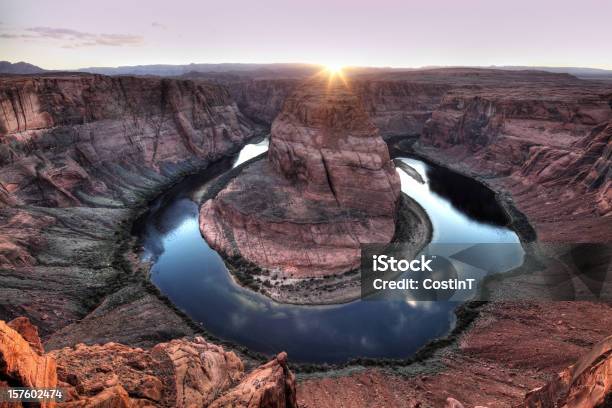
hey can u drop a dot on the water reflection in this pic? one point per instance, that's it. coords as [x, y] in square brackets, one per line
[251, 150]
[469, 219]
[194, 277]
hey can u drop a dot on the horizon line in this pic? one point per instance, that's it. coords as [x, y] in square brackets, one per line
[348, 66]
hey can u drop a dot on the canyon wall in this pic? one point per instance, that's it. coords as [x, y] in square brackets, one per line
[550, 147]
[395, 107]
[78, 155]
[399, 108]
[325, 142]
[530, 133]
[261, 99]
[70, 140]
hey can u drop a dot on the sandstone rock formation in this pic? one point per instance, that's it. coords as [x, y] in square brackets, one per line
[270, 385]
[20, 364]
[327, 187]
[585, 384]
[399, 102]
[78, 154]
[262, 99]
[400, 108]
[180, 373]
[66, 139]
[549, 146]
[28, 331]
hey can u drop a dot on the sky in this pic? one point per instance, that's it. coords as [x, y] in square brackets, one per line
[65, 34]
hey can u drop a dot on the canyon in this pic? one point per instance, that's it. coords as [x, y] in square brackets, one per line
[81, 155]
[528, 133]
[328, 183]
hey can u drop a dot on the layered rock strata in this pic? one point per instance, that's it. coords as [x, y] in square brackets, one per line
[180, 373]
[79, 154]
[551, 149]
[327, 186]
[398, 102]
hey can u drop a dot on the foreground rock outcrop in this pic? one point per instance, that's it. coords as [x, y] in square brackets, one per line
[22, 363]
[327, 186]
[587, 383]
[180, 373]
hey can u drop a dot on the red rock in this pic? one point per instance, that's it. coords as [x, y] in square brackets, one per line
[550, 149]
[328, 184]
[21, 366]
[585, 384]
[112, 397]
[77, 152]
[180, 373]
[529, 137]
[201, 370]
[271, 385]
[28, 331]
[84, 125]
[325, 142]
[20, 237]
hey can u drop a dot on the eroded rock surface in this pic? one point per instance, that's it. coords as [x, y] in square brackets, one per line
[585, 384]
[78, 153]
[20, 364]
[328, 186]
[180, 373]
[270, 385]
[549, 146]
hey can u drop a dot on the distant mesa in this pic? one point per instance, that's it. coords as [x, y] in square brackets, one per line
[19, 68]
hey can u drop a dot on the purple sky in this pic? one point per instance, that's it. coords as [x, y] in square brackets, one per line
[71, 34]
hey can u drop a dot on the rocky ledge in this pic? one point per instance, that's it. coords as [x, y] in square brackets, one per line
[179, 373]
[328, 185]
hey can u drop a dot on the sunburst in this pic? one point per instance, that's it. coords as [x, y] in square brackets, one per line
[334, 69]
[333, 72]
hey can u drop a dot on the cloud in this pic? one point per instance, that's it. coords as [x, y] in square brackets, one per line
[13, 36]
[76, 39]
[59, 33]
[155, 24]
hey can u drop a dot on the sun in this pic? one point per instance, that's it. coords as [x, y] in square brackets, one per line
[334, 73]
[333, 68]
